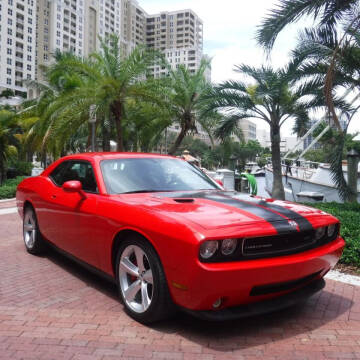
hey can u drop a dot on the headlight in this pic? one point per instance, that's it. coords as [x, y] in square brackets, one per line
[228, 246]
[331, 230]
[208, 249]
[319, 232]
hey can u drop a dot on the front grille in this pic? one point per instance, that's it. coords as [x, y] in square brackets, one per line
[271, 245]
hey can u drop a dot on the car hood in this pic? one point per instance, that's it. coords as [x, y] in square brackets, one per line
[217, 209]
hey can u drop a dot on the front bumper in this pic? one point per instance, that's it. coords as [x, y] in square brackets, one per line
[238, 283]
[261, 307]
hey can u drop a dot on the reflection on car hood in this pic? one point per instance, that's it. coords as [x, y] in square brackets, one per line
[214, 209]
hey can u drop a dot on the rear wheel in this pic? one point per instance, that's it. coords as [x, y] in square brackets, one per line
[141, 281]
[33, 240]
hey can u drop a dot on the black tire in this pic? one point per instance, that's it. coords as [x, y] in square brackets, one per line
[34, 243]
[161, 305]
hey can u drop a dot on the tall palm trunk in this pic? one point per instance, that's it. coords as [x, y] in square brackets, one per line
[105, 137]
[187, 125]
[2, 170]
[116, 109]
[278, 188]
[178, 141]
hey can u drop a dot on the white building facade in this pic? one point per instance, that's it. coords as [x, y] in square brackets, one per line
[17, 43]
[31, 32]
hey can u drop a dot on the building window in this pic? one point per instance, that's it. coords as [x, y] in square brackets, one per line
[9, 51]
[29, 48]
[29, 57]
[8, 81]
[29, 30]
[29, 39]
[8, 61]
[9, 12]
[28, 67]
[9, 41]
[9, 32]
[8, 71]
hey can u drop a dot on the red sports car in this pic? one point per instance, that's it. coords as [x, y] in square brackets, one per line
[170, 236]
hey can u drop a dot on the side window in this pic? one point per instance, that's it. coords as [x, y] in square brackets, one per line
[76, 170]
[83, 172]
[57, 174]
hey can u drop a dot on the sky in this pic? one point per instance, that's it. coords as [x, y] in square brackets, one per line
[229, 37]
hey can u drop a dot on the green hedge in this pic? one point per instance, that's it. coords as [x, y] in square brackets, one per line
[349, 216]
[8, 189]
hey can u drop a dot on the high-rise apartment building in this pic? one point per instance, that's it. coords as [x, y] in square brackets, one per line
[17, 43]
[179, 35]
[33, 30]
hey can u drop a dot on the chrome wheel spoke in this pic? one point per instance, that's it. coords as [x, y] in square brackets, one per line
[145, 300]
[28, 227]
[136, 278]
[148, 277]
[29, 230]
[139, 259]
[132, 290]
[129, 267]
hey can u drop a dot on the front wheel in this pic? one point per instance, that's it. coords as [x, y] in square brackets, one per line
[141, 281]
[33, 240]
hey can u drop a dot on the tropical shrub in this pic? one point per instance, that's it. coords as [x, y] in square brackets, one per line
[349, 216]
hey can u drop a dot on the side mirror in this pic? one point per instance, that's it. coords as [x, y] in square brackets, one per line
[72, 186]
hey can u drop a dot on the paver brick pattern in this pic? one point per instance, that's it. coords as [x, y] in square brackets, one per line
[51, 308]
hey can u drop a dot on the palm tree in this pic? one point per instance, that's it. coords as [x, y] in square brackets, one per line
[269, 98]
[8, 129]
[315, 50]
[108, 80]
[185, 100]
[328, 13]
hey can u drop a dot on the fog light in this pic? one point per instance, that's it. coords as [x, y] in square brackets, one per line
[217, 303]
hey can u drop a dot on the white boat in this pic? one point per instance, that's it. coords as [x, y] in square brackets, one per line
[254, 169]
[308, 181]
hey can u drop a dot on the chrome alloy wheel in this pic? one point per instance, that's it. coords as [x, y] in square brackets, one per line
[29, 229]
[136, 279]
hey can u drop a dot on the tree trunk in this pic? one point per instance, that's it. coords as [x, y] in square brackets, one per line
[116, 109]
[88, 141]
[2, 170]
[105, 138]
[278, 188]
[177, 142]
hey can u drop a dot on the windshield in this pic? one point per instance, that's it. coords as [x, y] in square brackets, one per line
[153, 174]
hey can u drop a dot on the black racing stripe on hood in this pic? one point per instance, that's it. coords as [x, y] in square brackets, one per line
[304, 224]
[277, 221]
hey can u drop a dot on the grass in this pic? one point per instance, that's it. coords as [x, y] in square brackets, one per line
[8, 188]
[349, 216]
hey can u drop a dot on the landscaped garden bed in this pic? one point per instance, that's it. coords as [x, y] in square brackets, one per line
[8, 188]
[349, 216]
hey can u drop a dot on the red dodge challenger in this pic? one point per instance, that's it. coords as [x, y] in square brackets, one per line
[171, 237]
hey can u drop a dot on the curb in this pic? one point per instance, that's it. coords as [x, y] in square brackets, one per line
[5, 200]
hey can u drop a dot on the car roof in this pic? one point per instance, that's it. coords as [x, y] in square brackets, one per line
[114, 155]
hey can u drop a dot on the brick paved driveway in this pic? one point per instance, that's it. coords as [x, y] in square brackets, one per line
[51, 308]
